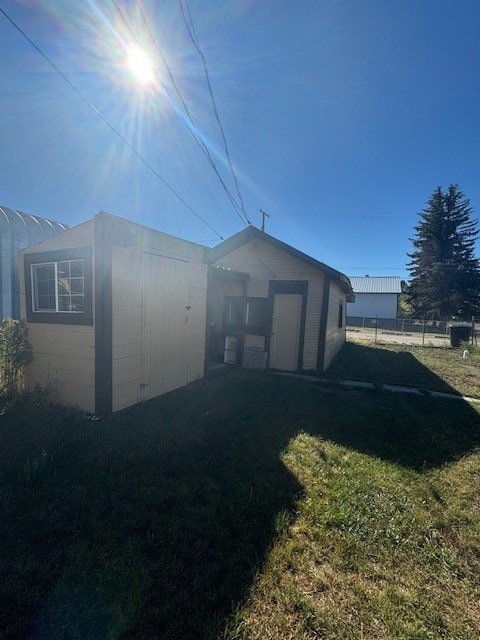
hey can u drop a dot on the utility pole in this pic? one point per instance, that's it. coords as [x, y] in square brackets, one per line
[263, 218]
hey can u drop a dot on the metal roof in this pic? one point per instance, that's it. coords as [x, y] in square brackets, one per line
[376, 284]
[13, 220]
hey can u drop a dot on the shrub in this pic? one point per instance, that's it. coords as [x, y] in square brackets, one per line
[15, 354]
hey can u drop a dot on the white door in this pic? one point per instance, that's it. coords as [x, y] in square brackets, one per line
[164, 347]
[286, 329]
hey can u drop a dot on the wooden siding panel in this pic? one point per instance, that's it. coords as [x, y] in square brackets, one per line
[126, 324]
[121, 376]
[127, 313]
[131, 387]
[126, 337]
[59, 375]
[195, 370]
[121, 351]
[64, 362]
[81, 235]
[64, 392]
[335, 335]
[127, 286]
[126, 401]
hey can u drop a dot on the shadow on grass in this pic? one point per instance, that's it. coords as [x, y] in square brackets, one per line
[154, 524]
[385, 366]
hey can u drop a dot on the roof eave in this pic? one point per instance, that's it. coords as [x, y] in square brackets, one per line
[250, 233]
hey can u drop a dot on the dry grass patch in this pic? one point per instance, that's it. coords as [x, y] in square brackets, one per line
[432, 368]
[375, 551]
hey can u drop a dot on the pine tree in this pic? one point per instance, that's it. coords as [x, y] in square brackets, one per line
[445, 273]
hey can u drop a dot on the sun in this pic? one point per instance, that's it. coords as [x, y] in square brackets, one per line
[140, 65]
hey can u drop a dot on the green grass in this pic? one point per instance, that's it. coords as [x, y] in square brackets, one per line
[250, 506]
[433, 368]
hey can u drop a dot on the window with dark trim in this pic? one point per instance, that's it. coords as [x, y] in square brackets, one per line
[59, 286]
[253, 315]
[340, 315]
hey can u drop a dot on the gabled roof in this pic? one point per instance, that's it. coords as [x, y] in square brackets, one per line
[377, 284]
[249, 233]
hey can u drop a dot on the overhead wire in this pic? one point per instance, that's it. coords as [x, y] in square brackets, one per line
[340, 215]
[104, 119]
[188, 120]
[193, 37]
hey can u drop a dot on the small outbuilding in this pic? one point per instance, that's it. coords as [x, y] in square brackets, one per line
[118, 313]
[285, 309]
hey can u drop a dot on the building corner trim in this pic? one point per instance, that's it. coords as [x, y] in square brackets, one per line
[103, 318]
[322, 332]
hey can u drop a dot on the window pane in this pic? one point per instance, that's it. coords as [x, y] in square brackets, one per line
[44, 272]
[63, 269]
[77, 303]
[44, 287]
[256, 312]
[76, 268]
[46, 303]
[64, 303]
[63, 286]
[76, 285]
[235, 312]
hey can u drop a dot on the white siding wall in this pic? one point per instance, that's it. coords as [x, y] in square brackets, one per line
[64, 355]
[127, 284]
[335, 336]
[371, 305]
[264, 263]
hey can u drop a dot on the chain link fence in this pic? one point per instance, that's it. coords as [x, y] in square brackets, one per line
[408, 330]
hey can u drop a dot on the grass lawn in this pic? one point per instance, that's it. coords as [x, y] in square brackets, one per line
[434, 368]
[244, 507]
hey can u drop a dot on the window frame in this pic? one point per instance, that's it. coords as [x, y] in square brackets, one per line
[34, 288]
[250, 328]
[56, 316]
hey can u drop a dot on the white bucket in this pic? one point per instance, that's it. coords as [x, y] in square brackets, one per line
[230, 353]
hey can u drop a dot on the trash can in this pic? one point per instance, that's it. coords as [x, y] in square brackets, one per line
[459, 332]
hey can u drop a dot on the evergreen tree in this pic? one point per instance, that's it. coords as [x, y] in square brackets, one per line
[445, 273]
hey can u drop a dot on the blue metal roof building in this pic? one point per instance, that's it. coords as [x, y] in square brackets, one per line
[17, 231]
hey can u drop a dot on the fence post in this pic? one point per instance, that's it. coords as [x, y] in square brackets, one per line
[423, 333]
[376, 328]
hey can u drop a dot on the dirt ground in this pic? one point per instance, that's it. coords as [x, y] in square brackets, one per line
[368, 335]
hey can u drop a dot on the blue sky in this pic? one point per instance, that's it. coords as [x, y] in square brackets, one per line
[341, 118]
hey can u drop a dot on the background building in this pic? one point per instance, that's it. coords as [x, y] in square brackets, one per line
[18, 230]
[375, 297]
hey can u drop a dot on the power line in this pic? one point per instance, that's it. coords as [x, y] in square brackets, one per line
[102, 117]
[190, 125]
[339, 214]
[193, 37]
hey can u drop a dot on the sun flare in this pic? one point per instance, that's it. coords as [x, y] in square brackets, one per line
[140, 65]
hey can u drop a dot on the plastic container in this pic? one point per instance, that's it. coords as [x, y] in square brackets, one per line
[230, 353]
